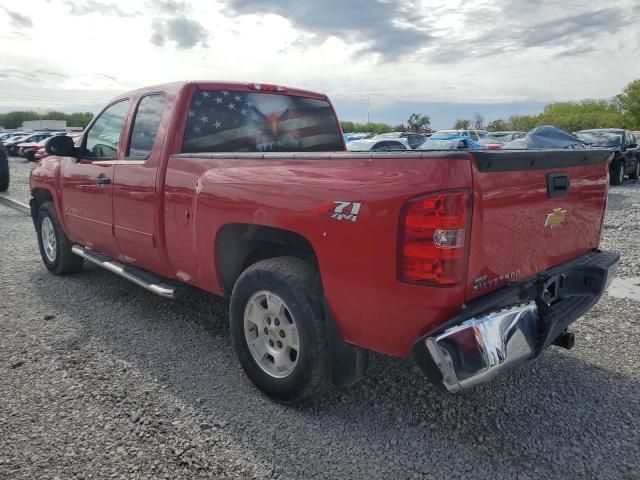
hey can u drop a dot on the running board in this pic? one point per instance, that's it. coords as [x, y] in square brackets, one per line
[138, 276]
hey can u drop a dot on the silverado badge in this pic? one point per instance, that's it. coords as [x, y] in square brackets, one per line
[555, 218]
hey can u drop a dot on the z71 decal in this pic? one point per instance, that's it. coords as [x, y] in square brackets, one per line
[346, 210]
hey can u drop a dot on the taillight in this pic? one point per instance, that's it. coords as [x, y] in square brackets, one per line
[434, 237]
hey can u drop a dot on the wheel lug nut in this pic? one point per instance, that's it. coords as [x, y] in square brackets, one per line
[279, 344]
[271, 342]
[266, 331]
[281, 333]
[268, 320]
[277, 322]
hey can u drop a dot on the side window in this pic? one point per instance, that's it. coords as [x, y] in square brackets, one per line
[396, 146]
[104, 135]
[380, 146]
[145, 126]
[473, 135]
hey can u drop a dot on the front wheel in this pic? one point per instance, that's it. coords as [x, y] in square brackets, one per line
[55, 246]
[278, 329]
[617, 173]
[636, 171]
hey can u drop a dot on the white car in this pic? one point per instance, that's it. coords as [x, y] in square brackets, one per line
[378, 145]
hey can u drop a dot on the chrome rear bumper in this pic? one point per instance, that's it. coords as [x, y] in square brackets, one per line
[513, 325]
[481, 348]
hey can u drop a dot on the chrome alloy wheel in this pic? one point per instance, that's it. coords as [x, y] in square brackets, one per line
[271, 334]
[49, 242]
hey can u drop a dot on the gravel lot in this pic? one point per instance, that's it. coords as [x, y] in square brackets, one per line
[100, 379]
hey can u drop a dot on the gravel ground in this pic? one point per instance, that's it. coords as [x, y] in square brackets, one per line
[19, 170]
[101, 379]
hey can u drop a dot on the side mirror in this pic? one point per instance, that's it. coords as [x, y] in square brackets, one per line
[61, 146]
[632, 145]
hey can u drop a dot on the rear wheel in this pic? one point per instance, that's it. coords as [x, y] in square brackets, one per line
[636, 171]
[278, 330]
[55, 246]
[617, 174]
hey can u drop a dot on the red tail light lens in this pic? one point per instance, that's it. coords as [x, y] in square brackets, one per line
[434, 237]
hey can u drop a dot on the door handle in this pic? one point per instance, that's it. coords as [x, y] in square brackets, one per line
[103, 180]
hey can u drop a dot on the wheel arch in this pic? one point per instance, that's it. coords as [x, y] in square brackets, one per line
[39, 196]
[239, 245]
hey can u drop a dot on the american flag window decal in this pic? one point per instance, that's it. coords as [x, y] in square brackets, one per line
[227, 121]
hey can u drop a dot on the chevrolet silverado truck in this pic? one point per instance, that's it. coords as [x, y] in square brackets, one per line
[468, 262]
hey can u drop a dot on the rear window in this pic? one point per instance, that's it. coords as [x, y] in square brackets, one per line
[226, 121]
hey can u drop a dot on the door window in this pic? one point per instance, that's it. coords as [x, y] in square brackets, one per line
[104, 135]
[145, 126]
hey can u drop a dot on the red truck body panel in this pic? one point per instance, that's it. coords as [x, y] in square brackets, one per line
[509, 240]
[165, 214]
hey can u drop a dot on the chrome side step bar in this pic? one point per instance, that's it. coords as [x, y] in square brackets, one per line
[138, 276]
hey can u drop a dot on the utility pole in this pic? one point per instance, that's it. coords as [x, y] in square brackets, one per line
[368, 115]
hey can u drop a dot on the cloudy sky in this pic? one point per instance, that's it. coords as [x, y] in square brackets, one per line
[445, 58]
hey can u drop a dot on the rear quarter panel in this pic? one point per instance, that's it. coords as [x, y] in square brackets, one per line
[357, 260]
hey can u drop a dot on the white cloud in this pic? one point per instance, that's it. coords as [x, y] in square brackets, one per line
[476, 51]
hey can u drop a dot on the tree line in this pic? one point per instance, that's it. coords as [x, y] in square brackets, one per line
[622, 111]
[15, 119]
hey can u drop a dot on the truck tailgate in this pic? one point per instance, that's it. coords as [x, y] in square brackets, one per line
[524, 221]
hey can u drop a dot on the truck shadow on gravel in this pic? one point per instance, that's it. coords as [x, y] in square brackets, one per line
[553, 411]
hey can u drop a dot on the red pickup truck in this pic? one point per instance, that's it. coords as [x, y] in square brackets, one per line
[468, 262]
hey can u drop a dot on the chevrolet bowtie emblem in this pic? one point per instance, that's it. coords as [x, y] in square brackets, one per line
[555, 218]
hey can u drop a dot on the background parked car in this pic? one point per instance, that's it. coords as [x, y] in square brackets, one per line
[379, 145]
[414, 140]
[624, 146]
[452, 143]
[500, 138]
[473, 134]
[4, 169]
[546, 137]
[13, 144]
[6, 136]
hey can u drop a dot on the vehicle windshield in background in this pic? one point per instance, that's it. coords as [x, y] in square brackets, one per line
[545, 137]
[451, 143]
[221, 121]
[445, 134]
[379, 145]
[497, 137]
[600, 138]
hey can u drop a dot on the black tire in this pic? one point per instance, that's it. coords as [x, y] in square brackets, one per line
[636, 171]
[64, 261]
[298, 284]
[4, 171]
[617, 173]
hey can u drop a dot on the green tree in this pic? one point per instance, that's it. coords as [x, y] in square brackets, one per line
[347, 126]
[478, 121]
[629, 103]
[498, 125]
[523, 123]
[15, 119]
[461, 124]
[417, 122]
[573, 116]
